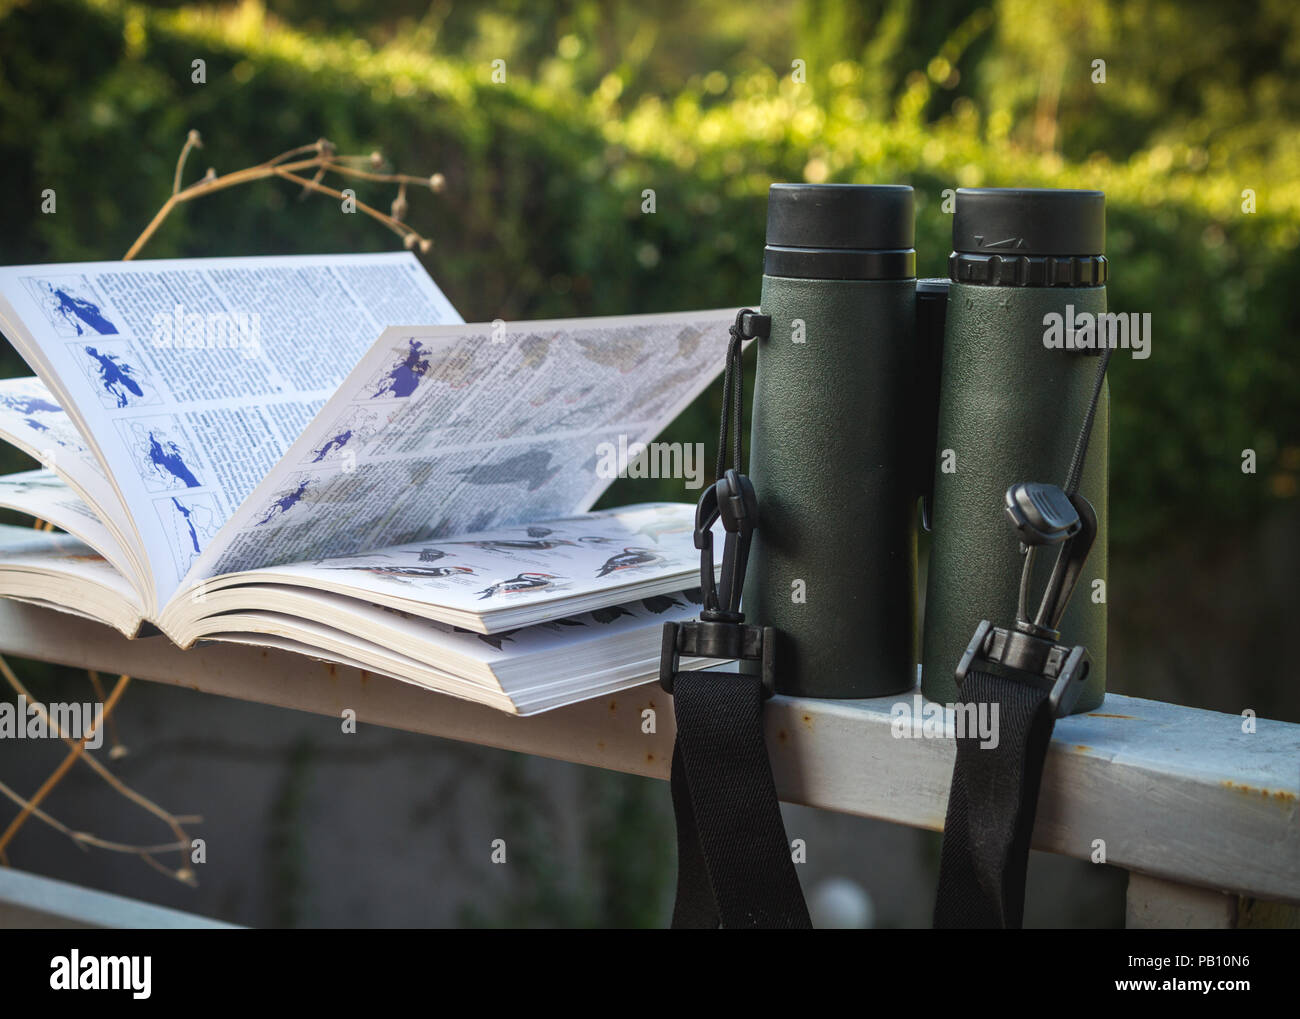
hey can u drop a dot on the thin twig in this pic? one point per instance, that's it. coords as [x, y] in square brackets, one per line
[171, 820]
[323, 160]
[396, 225]
[57, 774]
[85, 839]
[116, 750]
[192, 141]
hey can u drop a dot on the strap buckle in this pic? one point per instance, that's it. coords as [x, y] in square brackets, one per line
[700, 638]
[1030, 652]
[720, 632]
[1056, 668]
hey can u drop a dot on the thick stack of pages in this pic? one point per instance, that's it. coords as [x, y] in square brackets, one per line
[233, 456]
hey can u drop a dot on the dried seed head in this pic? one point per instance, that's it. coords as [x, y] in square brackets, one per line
[324, 146]
[376, 159]
[398, 210]
[409, 242]
[211, 174]
[194, 138]
[425, 245]
[437, 182]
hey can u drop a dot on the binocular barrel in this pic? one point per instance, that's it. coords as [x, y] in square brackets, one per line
[1009, 411]
[873, 391]
[834, 563]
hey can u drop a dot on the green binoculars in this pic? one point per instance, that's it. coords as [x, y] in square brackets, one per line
[884, 403]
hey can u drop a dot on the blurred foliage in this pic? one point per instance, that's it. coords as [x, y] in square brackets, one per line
[545, 171]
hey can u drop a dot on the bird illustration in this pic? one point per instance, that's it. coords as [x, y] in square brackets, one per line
[629, 559]
[492, 639]
[539, 532]
[516, 544]
[608, 615]
[496, 639]
[518, 584]
[411, 571]
[431, 555]
[659, 603]
[688, 341]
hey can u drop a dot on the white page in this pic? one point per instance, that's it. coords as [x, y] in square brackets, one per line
[508, 577]
[32, 420]
[186, 431]
[432, 642]
[453, 429]
[45, 495]
[28, 555]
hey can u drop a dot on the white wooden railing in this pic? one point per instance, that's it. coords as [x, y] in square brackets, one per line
[32, 902]
[1198, 811]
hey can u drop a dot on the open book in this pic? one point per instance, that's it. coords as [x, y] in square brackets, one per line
[259, 450]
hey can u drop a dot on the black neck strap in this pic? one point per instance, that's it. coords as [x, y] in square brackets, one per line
[991, 807]
[734, 868]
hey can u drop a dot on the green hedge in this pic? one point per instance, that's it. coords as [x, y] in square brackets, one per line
[541, 216]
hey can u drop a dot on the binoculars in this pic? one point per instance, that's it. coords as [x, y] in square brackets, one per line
[883, 403]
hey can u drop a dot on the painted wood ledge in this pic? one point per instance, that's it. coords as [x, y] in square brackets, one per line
[1174, 792]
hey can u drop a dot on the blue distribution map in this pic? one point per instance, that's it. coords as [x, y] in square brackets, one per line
[189, 521]
[186, 513]
[404, 376]
[166, 457]
[334, 442]
[283, 504]
[116, 377]
[78, 312]
[29, 407]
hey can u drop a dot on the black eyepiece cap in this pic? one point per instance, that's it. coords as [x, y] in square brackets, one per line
[840, 231]
[1029, 237]
[1030, 221]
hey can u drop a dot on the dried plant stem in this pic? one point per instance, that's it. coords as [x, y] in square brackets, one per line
[171, 820]
[31, 808]
[395, 225]
[192, 141]
[57, 774]
[84, 839]
[320, 157]
[115, 749]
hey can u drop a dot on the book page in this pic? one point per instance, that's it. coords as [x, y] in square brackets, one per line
[60, 572]
[452, 429]
[32, 420]
[189, 378]
[46, 496]
[458, 650]
[522, 671]
[507, 577]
